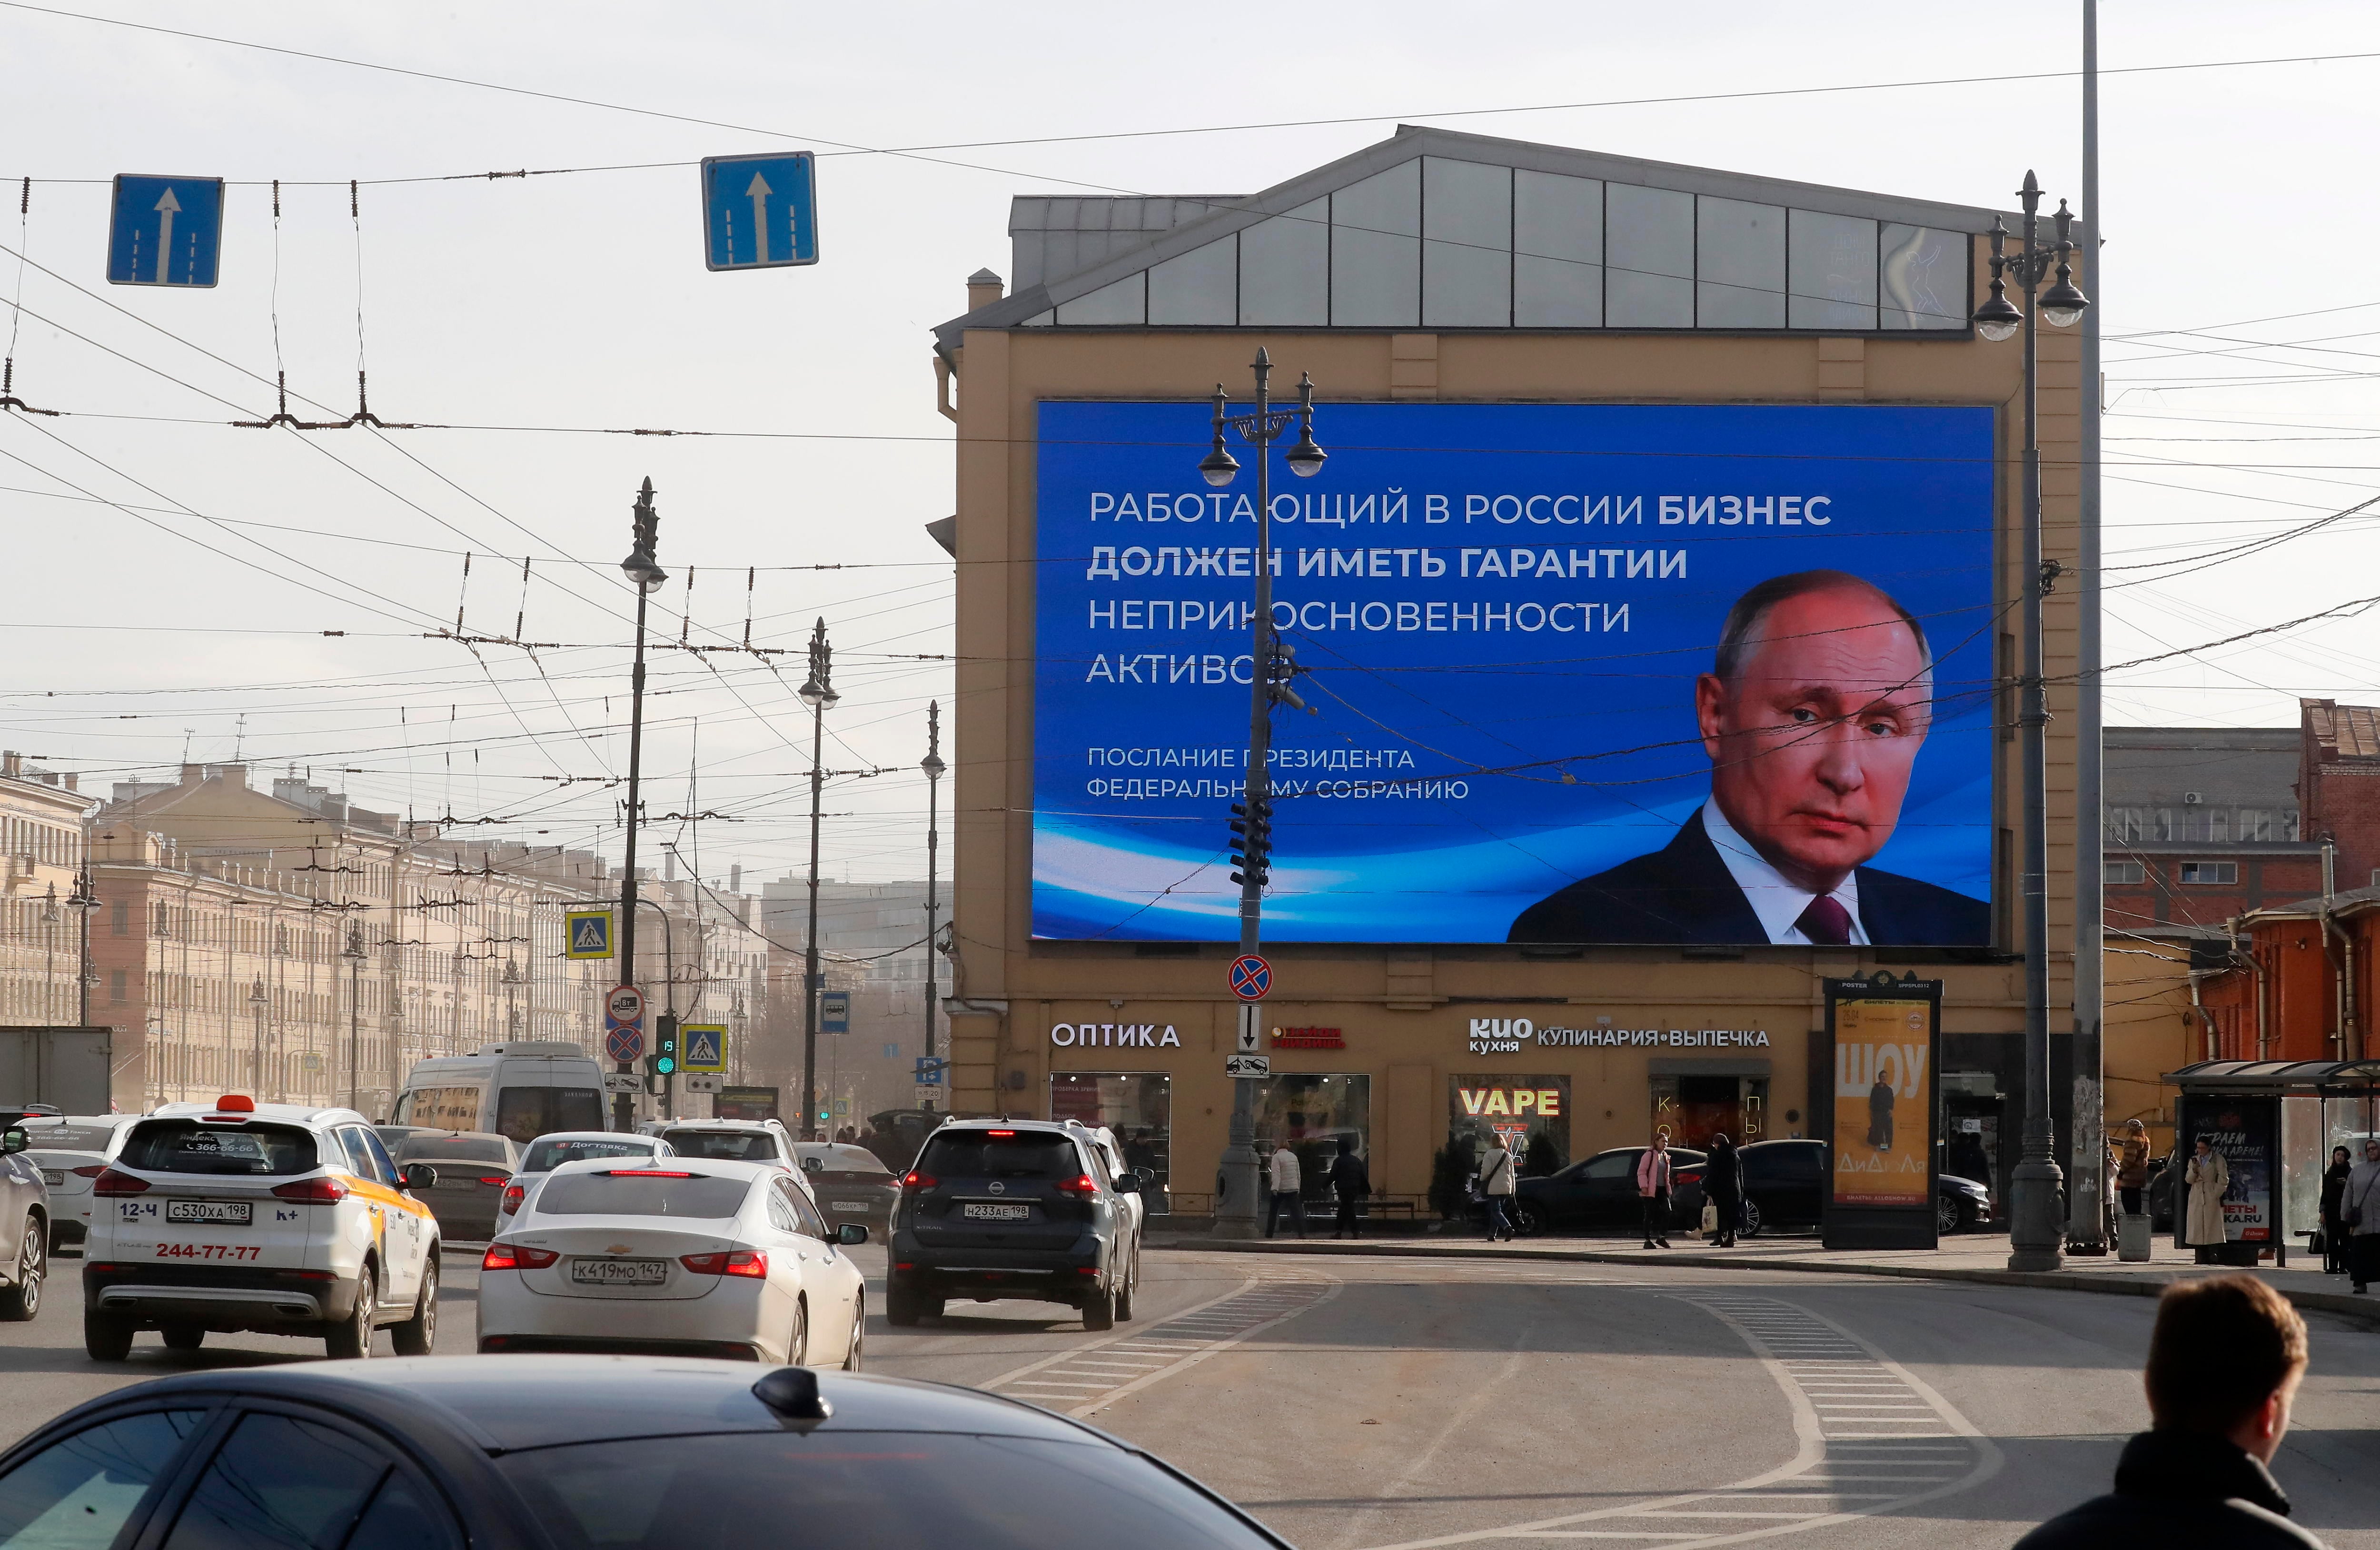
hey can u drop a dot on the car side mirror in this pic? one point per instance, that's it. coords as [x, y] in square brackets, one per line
[851, 1235]
[1127, 1184]
[419, 1176]
[15, 1141]
[1147, 1175]
[813, 1165]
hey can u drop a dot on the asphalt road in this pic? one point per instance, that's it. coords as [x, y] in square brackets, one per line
[1366, 1405]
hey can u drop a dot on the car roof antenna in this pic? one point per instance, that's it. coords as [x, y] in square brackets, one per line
[792, 1393]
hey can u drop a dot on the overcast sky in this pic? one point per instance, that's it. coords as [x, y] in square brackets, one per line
[579, 302]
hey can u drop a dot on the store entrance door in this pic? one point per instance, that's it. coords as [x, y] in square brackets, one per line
[1693, 1107]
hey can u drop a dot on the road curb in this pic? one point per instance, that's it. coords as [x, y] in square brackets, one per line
[2360, 1309]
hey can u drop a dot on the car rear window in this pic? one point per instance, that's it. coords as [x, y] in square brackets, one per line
[638, 1193]
[727, 1146]
[187, 1146]
[527, 1112]
[72, 1138]
[836, 1158]
[460, 1149]
[869, 1491]
[548, 1155]
[982, 1155]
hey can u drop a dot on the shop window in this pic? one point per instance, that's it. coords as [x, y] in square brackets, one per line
[1739, 265]
[1315, 1115]
[1376, 250]
[1558, 251]
[1830, 272]
[1138, 1105]
[1467, 246]
[2125, 874]
[1285, 269]
[1649, 244]
[1924, 278]
[2221, 873]
[1531, 1113]
[1693, 1107]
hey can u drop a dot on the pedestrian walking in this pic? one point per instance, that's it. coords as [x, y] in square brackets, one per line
[2224, 1363]
[1653, 1184]
[1496, 1181]
[1287, 1191]
[2334, 1211]
[2206, 1176]
[2132, 1167]
[1723, 1187]
[1351, 1183]
[2362, 1215]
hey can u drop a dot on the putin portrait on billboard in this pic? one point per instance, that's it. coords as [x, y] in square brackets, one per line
[1814, 715]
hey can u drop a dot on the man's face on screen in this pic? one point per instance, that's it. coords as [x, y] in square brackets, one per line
[1811, 747]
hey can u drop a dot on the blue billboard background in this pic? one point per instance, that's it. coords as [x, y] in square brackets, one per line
[1505, 609]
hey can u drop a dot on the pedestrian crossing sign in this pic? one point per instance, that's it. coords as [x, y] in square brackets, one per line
[587, 933]
[702, 1046]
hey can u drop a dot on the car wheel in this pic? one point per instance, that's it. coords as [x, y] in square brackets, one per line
[1099, 1310]
[797, 1343]
[184, 1336]
[1947, 1214]
[107, 1336]
[1751, 1227]
[854, 1358]
[21, 1301]
[352, 1340]
[1528, 1219]
[416, 1335]
[1129, 1293]
[899, 1303]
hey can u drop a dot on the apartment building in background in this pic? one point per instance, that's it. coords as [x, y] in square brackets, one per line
[41, 857]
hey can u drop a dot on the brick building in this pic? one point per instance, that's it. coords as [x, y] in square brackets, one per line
[2202, 824]
[2338, 783]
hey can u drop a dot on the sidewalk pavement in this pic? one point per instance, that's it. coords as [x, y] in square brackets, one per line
[1979, 1257]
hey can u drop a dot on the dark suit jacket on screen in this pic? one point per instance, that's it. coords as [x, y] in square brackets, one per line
[1684, 894]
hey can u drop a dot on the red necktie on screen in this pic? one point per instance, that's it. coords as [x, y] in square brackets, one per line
[1826, 922]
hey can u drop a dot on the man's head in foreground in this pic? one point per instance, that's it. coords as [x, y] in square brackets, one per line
[1813, 716]
[2225, 1361]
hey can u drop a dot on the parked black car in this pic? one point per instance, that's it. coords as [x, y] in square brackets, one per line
[1600, 1192]
[1785, 1185]
[1012, 1208]
[570, 1453]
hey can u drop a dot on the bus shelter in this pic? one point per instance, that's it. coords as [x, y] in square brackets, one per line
[2276, 1122]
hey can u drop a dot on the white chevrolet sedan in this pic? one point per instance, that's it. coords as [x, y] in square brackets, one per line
[675, 1256]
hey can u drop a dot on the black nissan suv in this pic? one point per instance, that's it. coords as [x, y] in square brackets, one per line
[1012, 1208]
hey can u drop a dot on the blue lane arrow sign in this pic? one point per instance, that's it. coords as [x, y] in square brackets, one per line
[759, 211]
[164, 231]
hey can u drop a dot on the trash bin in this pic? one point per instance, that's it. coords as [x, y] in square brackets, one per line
[2133, 1231]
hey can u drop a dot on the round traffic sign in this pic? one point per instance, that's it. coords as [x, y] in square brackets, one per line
[625, 1003]
[1251, 977]
[625, 1043]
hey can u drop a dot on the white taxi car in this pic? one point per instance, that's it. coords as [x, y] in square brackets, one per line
[675, 1256]
[277, 1218]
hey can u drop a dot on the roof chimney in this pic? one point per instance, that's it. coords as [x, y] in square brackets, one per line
[70, 781]
[235, 773]
[12, 764]
[193, 773]
[983, 288]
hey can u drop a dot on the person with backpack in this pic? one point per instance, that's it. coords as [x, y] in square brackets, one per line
[1496, 1182]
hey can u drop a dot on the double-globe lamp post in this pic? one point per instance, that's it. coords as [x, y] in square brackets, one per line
[933, 768]
[1237, 1176]
[646, 574]
[2035, 1231]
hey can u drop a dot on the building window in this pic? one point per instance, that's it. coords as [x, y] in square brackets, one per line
[2125, 874]
[2210, 872]
[115, 985]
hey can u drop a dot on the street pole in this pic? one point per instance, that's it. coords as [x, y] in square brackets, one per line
[50, 954]
[933, 766]
[2035, 1233]
[354, 957]
[84, 901]
[818, 693]
[256, 1037]
[2086, 1225]
[648, 577]
[1239, 1171]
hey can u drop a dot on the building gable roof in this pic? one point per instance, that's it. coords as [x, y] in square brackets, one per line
[1136, 235]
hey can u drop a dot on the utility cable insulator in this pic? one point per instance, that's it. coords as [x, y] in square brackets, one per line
[8, 399]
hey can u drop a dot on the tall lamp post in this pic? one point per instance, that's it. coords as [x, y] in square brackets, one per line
[50, 918]
[1237, 1177]
[933, 766]
[354, 954]
[2035, 1232]
[818, 693]
[647, 576]
[84, 901]
[256, 1004]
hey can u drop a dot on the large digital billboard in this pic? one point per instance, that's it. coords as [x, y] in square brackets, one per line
[1677, 674]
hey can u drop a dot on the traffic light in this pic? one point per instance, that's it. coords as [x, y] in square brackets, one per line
[662, 1062]
[1252, 841]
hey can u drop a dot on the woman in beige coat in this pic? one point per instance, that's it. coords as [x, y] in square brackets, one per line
[2207, 1177]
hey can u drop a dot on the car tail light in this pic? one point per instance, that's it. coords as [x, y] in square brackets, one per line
[512, 1201]
[110, 1182]
[1000, 1132]
[753, 1262]
[913, 1179]
[643, 1173]
[1693, 1177]
[1079, 1185]
[313, 1192]
[497, 1181]
[517, 1256]
[90, 1170]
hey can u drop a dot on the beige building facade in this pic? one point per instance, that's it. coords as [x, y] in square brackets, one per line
[40, 861]
[1150, 300]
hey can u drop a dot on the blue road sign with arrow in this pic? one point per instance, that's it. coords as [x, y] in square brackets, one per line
[759, 211]
[164, 231]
